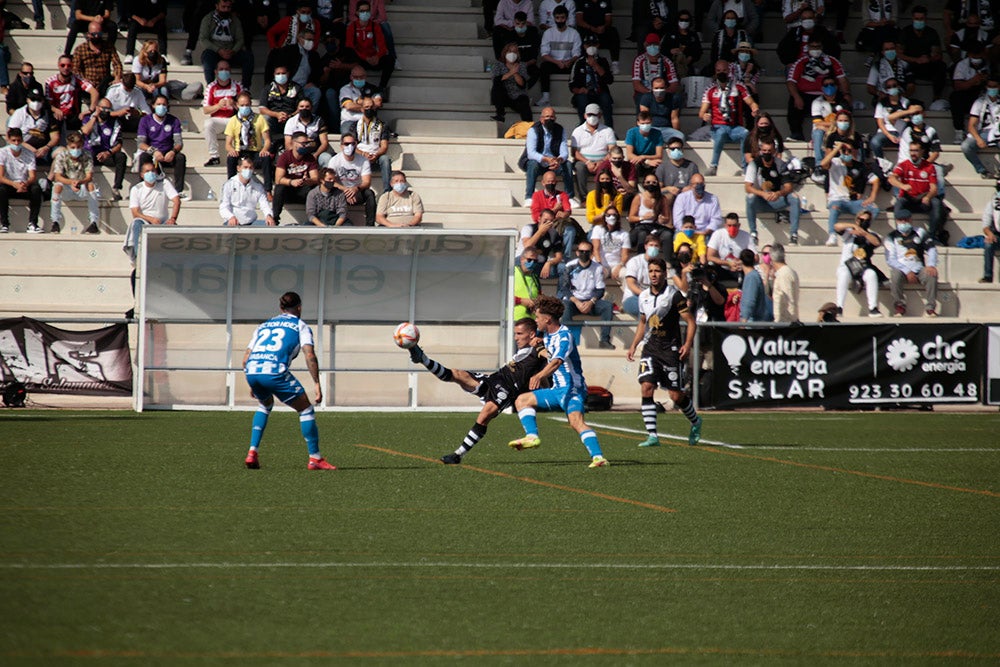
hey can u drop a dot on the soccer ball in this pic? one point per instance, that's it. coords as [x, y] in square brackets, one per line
[406, 335]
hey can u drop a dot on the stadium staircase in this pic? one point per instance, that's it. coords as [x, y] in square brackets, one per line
[466, 173]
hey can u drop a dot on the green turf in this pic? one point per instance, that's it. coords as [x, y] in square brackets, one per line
[820, 539]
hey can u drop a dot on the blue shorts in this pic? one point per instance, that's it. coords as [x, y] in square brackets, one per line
[284, 387]
[567, 399]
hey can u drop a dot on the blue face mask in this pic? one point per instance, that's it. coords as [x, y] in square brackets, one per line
[893, 92]
[281, 79]
[730, 23]
[653, 50]
[688, 233]
[532, 265]
[744, 57]
[919, 25]
[149, 177]
[364, 16]
[993, 92]
[676, 154]
[160, 110]
[904, 228]
[699, 189]
[359, 83]
[843, 126]
[75, 152]
[652, 252]
[918, 119]
[829, 90]
[846, 159]
[890, 54]
[224, 75]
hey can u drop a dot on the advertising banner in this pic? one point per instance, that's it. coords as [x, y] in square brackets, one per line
[993, 366]
[57, 361]
[848, 366]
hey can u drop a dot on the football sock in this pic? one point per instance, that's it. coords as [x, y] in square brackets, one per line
[687, 407]
[474, 435]
[259, 424]
[528, 421]
[442, 373]
[307, 423]
[589, 439]
[649, 415]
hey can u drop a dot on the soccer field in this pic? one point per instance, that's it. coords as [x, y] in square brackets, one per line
[799, 538]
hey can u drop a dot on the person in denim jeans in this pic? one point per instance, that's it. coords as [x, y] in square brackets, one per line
[722, 106]
[769, 188]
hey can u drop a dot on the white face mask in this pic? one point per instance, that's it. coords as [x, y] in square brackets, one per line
[815, 53]
[35, 106]
[591, 50]
[400, 188]
[308, 45]
[246, 174]
[683, 25]
[593, 121]
[348, 150]
[511, 57]
[808, 24]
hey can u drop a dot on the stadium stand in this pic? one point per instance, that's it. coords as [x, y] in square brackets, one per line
[439, 110]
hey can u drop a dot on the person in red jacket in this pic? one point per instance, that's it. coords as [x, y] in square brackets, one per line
[366, 40]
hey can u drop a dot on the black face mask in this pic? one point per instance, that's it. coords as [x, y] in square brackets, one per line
[766, 157]
[618, 163]
[550, 188]
[104, 115]
[369, 113]
[306, 115]
[864, 223]
[650, 187]
[722, 77]
[684, 257]
[549, 123]
[609, 186]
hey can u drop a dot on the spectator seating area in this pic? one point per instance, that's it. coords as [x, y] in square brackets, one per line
[467, 174]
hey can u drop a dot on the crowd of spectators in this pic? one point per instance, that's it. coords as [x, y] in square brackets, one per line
[643, 196]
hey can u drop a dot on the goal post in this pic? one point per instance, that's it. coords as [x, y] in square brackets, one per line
[203, 291]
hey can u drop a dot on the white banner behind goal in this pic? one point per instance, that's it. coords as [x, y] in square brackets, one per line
[202, 293]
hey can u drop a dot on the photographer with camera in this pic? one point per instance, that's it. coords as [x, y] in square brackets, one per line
[705, 298]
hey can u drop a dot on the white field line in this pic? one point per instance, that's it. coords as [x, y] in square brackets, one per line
[500, 566]
[794, 448]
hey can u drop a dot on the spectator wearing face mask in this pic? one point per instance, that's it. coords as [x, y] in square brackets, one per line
[286, 31]
[880, 25]
[725, 245]
[683, 45]
[744, 69]
[892, 113]
[792, 10]
[968, 81]
[675, 173]
[561, 46]
[326, 205]
[295, 174]
[663, 112]
[769, 188]
[503, 21]
[355, 177]
[73, 179]
[590, 79]
[602, 197]
[722, 107]
[983, 126]
[161, 143]
[350, 96]
[649, 66]
[644, 145]
[731, 14]
[725, 39]
[128, 103]
[373, 141]
[649, 214]
[594, 17]
[581, 288]
[528, 39]
[221, 37]
[367, 40]
[242, 195]
[103, 138]
[824, 118]
[911, 254]
[218, 106]
[972, 31]
[755, 306]
[889, 67]
[248, 137]
[700, 204]
[526, 285]
[399, 206]
[611, 243]
[805, 83]
[856, 261]
[314, 127]
[96, 60]
[688, 235]
[623, 175]
[590, 143]
[303, 64]
[83, 14]
[795, 43]
[546, 150]
[991, 234]
[280, 100]
[510, 85]
[917, 182]
[38, 127]
[848, 177]
[636, 274]
[23, 84]
[763, 129]
[920, 46]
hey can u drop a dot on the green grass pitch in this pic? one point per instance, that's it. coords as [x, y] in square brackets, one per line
[802, 538]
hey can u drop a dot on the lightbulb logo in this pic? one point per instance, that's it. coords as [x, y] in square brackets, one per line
[902, 354]
[734, 347]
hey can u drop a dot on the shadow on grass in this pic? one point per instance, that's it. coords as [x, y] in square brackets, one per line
[55, 415]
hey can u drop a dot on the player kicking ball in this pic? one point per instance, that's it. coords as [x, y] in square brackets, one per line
[274, 345]
[496, 390]
[568, 390]
[661, 307]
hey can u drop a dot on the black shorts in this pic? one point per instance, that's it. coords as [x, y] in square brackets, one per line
[495, 389]
[663, 370]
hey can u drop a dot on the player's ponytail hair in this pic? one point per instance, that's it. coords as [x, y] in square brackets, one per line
[289, 301]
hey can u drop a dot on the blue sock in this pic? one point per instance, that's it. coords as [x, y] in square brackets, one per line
[259, 424]
[307, 422]
[528, 421]
[589, 439]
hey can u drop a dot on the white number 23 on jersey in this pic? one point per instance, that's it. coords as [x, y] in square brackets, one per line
[268, 340]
